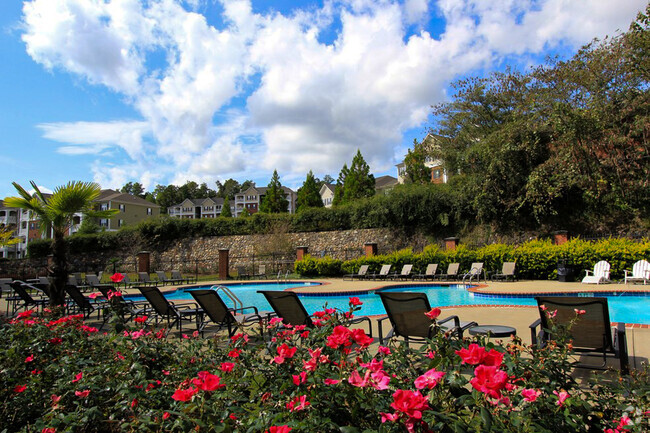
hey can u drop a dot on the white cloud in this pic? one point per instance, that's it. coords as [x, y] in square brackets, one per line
[308, 104]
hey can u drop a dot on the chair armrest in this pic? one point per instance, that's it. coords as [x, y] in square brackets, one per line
[588, 272]
[245, 308]
[447, 319]
[363, 319]
[533, 330]
[620, 347]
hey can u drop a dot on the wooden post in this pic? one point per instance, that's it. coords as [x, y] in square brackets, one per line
[223, 263]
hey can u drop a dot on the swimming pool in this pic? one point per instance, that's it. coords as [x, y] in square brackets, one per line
[628, 308]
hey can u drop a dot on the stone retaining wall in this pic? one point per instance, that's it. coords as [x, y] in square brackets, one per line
[201, 255]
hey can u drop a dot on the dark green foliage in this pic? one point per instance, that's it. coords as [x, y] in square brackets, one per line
[309, 193]
[416, 171]
[225, 208]
[38, 248]
[274, 200]
[339, 189]
[359, 182]
[564, 144]
[133, 188]
[536, 260]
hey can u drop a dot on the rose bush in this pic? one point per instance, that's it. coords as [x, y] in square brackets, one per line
[62, 375]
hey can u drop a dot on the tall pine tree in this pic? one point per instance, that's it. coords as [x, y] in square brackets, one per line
[274, 201]
[359, 183]
[339, 189]
[309, 193]
[225, 208]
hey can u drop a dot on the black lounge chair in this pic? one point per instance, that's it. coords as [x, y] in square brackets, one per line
[80, 303]
[289, 307]
[127, 309]
[361, 274]
[404, 274]
[93, 280]
[591, 334]
[145, 280]
[162, 278]
[165, 310]
[452, 272]
[429, 273]
[242, 273]
[507, 272]
[176, 275]
[24, 300]
[219, 314]
[406, 312]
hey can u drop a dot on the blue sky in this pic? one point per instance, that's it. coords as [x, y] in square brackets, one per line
[164, 91]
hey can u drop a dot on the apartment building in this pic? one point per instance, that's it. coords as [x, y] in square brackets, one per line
[327, 194]
[438, 172]
[253, 196]
[10, 217]
[195, 208]
[133, 209]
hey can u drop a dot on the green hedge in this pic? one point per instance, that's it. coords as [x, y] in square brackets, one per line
[536, 260]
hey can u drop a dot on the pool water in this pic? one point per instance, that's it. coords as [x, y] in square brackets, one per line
[622, 308]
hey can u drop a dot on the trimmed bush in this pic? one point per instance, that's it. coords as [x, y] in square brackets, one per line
[536, 260]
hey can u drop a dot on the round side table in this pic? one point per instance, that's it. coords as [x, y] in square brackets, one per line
[497, 331]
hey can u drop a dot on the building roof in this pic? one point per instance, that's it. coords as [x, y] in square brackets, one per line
[329, 186]
[382, 182]
[112, 195]
[201, 201]
[262, 189]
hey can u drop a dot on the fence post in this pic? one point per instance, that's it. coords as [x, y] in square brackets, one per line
[223, 263]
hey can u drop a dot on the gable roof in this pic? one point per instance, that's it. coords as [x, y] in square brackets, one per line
[121, 197]
[385, 182]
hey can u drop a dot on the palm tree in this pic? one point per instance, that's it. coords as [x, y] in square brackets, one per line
[56, 213]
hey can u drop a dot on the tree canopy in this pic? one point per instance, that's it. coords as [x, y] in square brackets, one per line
[309, 193]
[274, 200]
[563, 144]
[355, 182]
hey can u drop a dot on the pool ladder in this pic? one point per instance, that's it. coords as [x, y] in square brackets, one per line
[235, 300]
[284, 277]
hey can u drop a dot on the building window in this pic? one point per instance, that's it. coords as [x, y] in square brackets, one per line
[103, 222]
[120, 223]
[103, 206]
[76, 220]
[122, 207]
[149, 211]
[437, 173]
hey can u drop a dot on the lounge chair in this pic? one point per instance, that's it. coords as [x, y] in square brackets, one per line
[429, 273]
[640, 273]
[127, 309]
[75, 280]
[475, 271]
[507, 272]
[5, 287]
[383, 273]
[165, 310]
[176, 275]
[24, 300]
[404, 274]
[406, 312]
[162, 279]
[219, 314]
[145, 279]
[80, 303]
[242, 273]
[591, 334]
[452, 272]
[287, 305]
[93, 280]
[261, 272]
[361, 274]
[599, 275]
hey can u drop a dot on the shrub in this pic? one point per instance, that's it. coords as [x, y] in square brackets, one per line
[64, 376]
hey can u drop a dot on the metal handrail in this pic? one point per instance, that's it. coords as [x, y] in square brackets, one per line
[235, 300]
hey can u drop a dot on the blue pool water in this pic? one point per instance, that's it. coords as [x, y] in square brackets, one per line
[626, 308]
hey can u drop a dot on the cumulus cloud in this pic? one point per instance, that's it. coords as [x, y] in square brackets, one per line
[263, 91]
